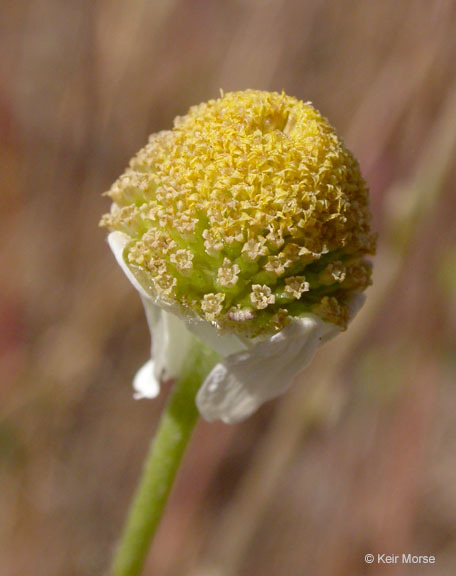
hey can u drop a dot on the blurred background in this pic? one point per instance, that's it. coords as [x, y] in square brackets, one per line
[360, 456]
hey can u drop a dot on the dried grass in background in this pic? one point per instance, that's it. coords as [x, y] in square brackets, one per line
[359, 456]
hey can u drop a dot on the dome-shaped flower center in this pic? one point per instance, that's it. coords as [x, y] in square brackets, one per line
[249, 212]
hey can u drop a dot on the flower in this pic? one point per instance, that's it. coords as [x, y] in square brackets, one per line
[245, 226]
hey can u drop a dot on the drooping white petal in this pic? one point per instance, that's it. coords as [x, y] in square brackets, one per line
[170, 337]
[170, 343]
[170, 340]
[252, 372]
[222, 343]
[145, 384]
[238, 386]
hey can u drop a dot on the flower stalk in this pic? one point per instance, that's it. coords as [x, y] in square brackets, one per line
[165, 454]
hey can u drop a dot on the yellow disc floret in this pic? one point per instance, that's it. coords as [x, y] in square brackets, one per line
[248, 212]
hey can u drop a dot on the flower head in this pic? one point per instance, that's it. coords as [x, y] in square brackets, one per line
[249, 214]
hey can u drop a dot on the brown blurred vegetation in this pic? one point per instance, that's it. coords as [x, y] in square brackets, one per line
[361, 455]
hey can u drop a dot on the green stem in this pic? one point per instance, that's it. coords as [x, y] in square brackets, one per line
[165, 454]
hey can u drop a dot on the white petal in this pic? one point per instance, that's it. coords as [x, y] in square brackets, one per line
[253, 370]
[170, 343]
[170, 337]
[222, 343]
[145, 384]
[170, 340]
[238, 386]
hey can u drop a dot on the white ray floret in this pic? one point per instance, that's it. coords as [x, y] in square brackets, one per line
[249, 373]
